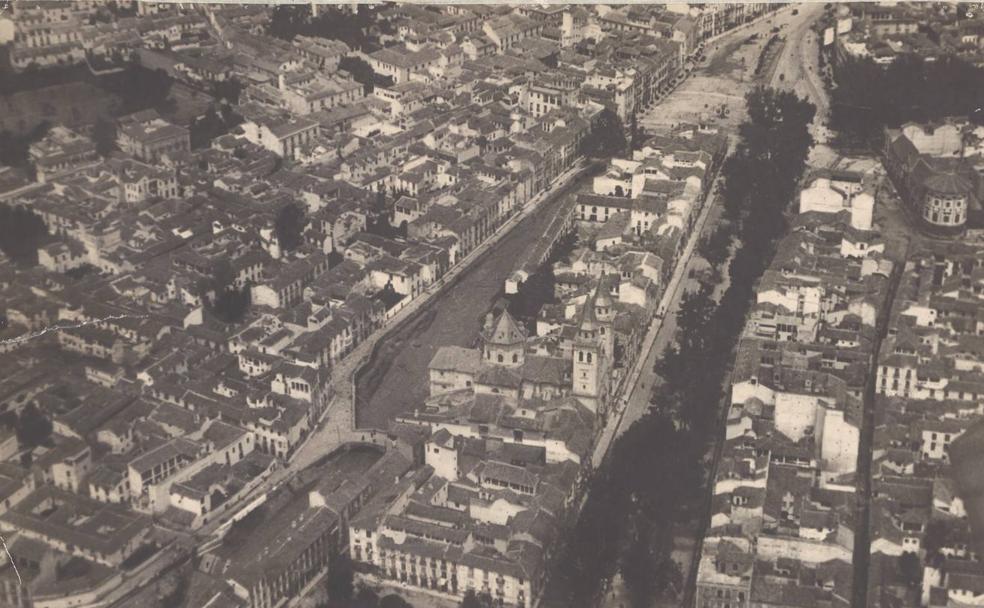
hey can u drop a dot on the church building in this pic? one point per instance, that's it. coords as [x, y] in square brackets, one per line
[505, 366]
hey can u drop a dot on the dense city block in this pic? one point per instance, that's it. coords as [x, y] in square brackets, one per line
[389, 305]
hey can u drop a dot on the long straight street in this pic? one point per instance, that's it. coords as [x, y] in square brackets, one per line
[862, 536]
[677, 107]
[633, 402]
[796, 59]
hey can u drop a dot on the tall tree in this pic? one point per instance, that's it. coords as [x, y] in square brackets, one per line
[104, 136]
[625, 513]
[33, 427]
[289, 226]
[638, 564]
[363, 73]
[606, 138]
[340, 584]
[869, 97]
[21, 233]
[910, 568]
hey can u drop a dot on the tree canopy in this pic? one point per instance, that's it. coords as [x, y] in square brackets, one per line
[213, 124]
[139, 88]
[104, 136]
[228, 90]
[625, 521]
[339, 583]
[21, 233]
[378, 219]
[222, 298]
[606, 138]
[363, 73]
[14, 148]
[32, 428]
[289, 21]
[289, 226]
[869, 97]
[538, 289]
[910, 568]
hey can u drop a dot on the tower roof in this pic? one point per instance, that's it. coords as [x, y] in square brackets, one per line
[506, 331]
[588, 318]
[602, 297]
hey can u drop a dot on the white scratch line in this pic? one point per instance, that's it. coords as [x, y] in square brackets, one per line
[20, 581]
[26, 337]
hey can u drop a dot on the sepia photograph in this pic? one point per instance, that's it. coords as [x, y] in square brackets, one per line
[491, 305]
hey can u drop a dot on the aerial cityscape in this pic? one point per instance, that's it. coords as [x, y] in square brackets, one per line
[491, 305]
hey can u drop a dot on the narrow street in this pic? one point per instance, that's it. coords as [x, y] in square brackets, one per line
[862, 533]
[633, 403]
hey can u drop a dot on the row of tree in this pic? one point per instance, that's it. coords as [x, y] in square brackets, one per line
[352, 28]
[626, 524]
[760, 179]
[869, 97]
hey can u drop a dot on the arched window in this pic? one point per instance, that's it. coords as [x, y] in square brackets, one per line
[580, 356]
[515, 358]
[589, 357]
[499, 357]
